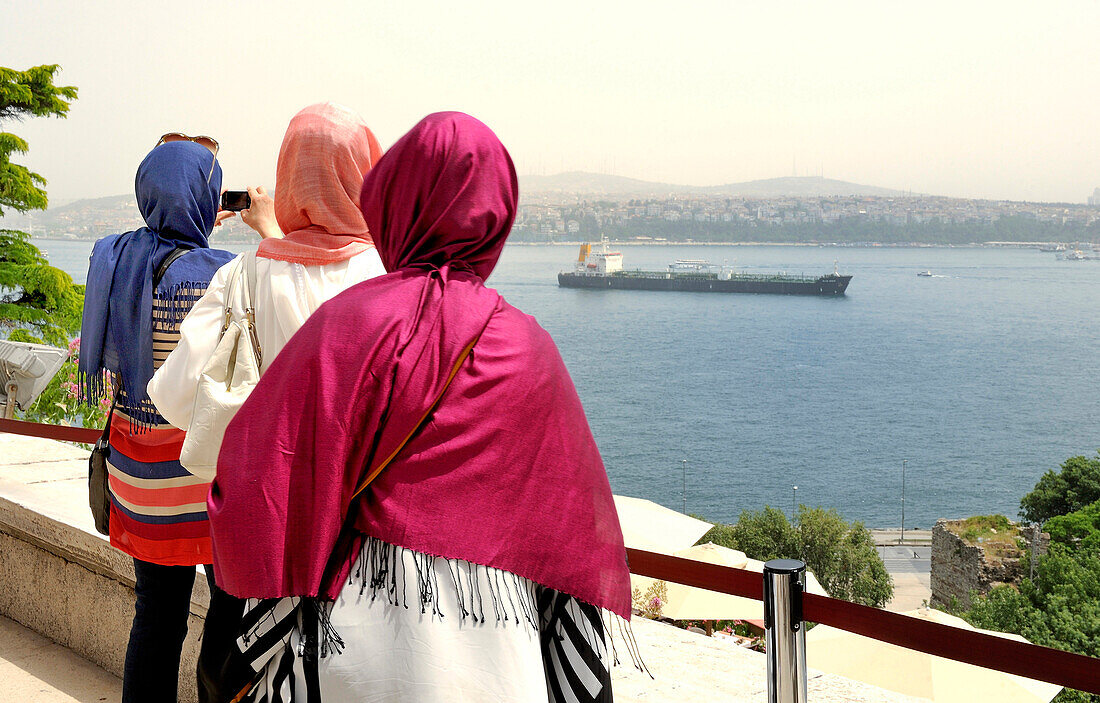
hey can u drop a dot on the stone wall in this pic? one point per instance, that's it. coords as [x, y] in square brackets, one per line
[58, 576]
[80, 608]
[959, 567]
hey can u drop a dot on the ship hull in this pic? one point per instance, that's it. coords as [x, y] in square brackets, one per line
[830, 285]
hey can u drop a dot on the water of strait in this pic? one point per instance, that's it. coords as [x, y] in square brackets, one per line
[983, 377]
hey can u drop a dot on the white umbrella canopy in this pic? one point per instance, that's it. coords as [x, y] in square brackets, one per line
[690, 603]
[918, 674]
[655, 528]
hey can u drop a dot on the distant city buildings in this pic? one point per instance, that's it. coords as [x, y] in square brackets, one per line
[558, 216]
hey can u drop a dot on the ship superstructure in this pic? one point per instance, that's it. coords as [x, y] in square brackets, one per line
[601, 261]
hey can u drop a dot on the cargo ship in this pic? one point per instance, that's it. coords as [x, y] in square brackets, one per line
[602, 269]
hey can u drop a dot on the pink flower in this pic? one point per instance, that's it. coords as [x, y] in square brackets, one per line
[655, 603]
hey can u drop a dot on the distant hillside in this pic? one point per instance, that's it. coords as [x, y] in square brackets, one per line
[598, 184]
[87, 217]
[107, 202]
[91, 218]
[94, 217]
[581, 182]
[800, 186]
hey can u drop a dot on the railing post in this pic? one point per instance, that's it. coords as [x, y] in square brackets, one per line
[784, 631]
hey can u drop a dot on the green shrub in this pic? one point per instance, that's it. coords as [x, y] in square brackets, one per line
[58, 403]
[840, 554]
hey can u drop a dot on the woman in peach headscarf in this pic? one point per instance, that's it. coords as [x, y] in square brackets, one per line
[325, 250]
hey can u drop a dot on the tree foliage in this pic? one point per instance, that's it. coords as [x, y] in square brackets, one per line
[29, 93]
[1072, 488]
[1061, 607]
[38, 303]
[33, 93]
[840, 554]
[1079, 530]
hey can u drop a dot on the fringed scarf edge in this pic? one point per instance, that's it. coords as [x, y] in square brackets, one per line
[176, 301]
[377, 571]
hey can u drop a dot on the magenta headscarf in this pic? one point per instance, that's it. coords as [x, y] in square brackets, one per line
[503, 473]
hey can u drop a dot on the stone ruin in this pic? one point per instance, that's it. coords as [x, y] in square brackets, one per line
[960, 566]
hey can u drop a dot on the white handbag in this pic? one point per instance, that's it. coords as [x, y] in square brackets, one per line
[228, 377]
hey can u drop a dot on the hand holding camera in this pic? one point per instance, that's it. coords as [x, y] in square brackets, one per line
[224, 211]
[235, 200]
[259, 213]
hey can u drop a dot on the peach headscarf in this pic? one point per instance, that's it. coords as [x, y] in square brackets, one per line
[325, 154]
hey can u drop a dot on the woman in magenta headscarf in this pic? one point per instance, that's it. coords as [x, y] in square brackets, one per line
[412, 489]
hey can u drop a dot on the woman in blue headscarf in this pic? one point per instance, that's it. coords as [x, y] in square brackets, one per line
[141, 285]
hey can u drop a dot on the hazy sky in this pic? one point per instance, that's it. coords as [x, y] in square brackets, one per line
[991, 99]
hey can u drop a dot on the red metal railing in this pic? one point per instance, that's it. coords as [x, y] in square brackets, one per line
[987, 651]
[971, 647]
[65, 434]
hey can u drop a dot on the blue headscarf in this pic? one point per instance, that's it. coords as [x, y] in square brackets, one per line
[116, 335]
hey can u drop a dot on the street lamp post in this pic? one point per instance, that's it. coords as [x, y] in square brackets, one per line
[684, 490]
[904, 463]
[794, 500]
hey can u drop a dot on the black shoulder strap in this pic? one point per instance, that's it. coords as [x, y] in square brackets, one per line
[107, 427]
[163, 268]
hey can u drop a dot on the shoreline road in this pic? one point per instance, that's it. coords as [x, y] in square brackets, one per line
[911, 569]
[885, 537]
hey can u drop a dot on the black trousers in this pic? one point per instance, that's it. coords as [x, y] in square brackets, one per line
[222, 670]
[151, 672]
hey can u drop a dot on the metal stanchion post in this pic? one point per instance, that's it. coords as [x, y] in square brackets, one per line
[785, 633]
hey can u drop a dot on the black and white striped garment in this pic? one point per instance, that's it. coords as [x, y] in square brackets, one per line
[271, 644]
[573, 637]
[574, 649]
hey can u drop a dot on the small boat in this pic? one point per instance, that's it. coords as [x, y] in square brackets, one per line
[925, 274]
[1075, 255]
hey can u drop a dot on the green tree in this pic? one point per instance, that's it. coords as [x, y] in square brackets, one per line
[840, 554]
[37, 301]
[1061, 607]
[765, 534]
[1072, 488]
[29, 93]
[1079, 530]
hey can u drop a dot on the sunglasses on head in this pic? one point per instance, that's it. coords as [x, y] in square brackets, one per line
[208, 142]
